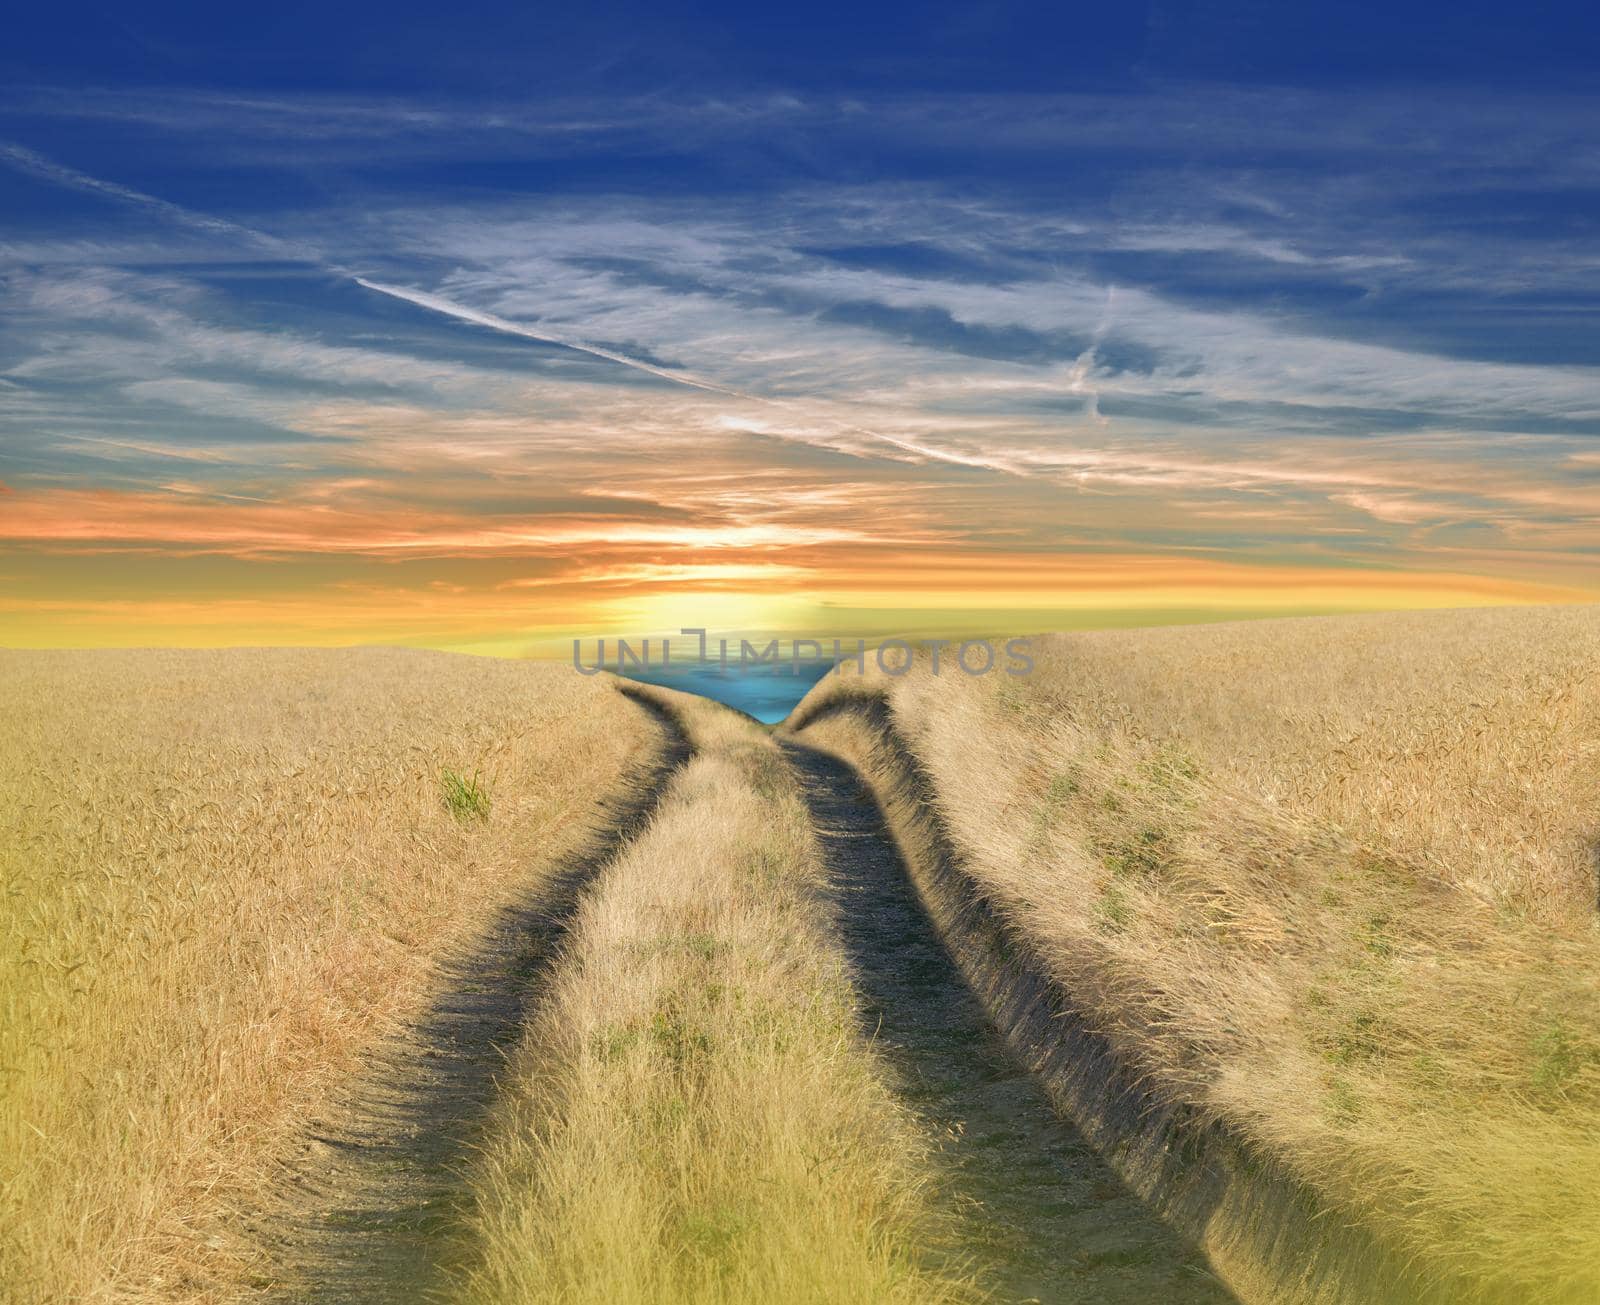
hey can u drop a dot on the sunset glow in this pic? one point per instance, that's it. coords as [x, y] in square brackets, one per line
[241, 406]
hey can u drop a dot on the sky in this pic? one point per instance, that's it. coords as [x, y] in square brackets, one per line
[494, 326]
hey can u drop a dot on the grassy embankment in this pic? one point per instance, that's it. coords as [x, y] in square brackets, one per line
[694, 1114]
[226, 875]
[1327, 884]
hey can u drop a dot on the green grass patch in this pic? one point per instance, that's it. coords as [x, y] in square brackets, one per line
[1112, 911]
[1558, 1057]
[466, 797]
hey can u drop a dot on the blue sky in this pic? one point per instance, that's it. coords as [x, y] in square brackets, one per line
[472, 325]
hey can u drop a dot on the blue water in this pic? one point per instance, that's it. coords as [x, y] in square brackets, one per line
[766, 692]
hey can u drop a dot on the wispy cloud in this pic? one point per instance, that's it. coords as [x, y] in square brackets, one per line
[1153, 330]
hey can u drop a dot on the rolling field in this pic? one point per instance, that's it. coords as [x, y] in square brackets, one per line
[1238, 963]
[227, 876]
[357, 975]
[1328, 885]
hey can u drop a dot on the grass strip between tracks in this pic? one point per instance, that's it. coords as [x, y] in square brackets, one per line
[694, 1114]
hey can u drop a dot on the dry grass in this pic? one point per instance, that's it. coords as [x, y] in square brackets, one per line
[694, 1115]
[1330, 882]
[1467, 743]
[226, 874]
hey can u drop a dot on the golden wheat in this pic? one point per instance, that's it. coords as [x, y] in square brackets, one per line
[226, 874]
[1467, 743]
[1328, 882]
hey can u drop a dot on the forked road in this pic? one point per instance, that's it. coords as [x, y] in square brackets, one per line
[1039, 1214]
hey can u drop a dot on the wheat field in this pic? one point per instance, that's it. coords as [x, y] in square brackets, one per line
[226, 875]
[1467, 743]
[1328, 882]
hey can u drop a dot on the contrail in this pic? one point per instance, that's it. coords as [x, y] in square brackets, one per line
[37, 165]
[452, 309]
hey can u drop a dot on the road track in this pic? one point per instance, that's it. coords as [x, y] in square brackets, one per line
[375, 1203]
[1038, 1212]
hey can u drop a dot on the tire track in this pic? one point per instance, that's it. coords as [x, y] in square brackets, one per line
[1042, 1216]
[375, 1203]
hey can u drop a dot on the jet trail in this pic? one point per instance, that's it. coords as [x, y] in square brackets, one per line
[36, 165]
[452, 309]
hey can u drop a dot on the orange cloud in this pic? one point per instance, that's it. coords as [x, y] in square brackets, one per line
[505, 547]
[247, 525]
